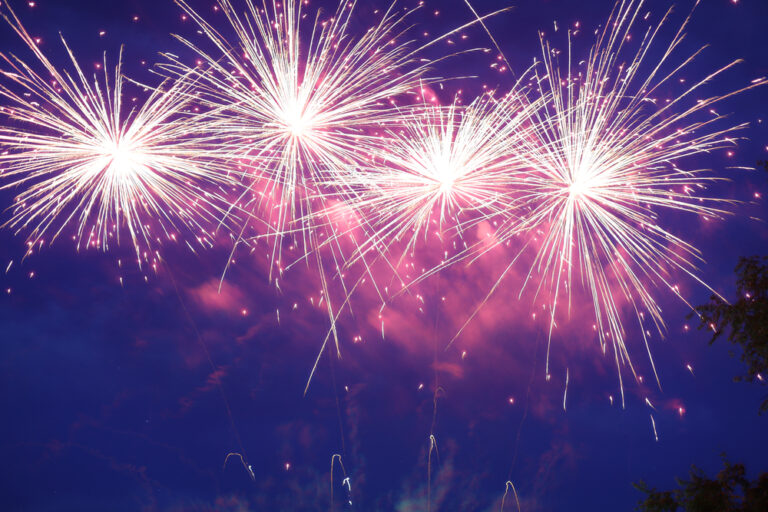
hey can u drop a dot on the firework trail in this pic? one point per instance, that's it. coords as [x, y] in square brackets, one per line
[81, 158]
[605, 164]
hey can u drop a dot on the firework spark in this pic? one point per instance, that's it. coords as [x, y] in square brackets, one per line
[79, 159]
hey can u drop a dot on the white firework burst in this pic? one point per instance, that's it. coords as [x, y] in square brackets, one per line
[81, 159]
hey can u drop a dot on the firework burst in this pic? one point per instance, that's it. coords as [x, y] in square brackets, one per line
[306, 115]
[444, 168]
[298, 100]
[80, 159]
[606, 162]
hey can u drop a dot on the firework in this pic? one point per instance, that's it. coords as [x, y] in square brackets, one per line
[443, 167]
[307, 115]
[79, 159]
[295, 97]
[298, 100]
[606, 162]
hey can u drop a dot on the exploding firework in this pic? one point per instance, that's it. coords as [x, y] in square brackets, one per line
[443, 167]
[606, 162]
[79, 159]
[297, 100]
[307, 113]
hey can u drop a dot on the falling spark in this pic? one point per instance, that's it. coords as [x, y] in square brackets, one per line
[509, 485]
[432, 447]
[565, 393]
[347, 482]
[248, 468]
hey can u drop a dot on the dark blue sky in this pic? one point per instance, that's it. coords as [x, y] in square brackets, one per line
[110, 403]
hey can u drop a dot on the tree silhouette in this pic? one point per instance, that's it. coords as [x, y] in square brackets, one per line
[729, 491]
[746, 319]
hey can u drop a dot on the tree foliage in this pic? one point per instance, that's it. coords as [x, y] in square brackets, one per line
[729, 491]
[745, 320]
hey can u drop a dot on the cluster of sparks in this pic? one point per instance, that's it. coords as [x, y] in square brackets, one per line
[285, 121]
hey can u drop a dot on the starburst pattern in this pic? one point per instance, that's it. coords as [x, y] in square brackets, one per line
[314, 124]
[79, 159]
[443, 167]
[606, 165]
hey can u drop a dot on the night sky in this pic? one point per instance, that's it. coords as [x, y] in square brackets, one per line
[109, 394]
